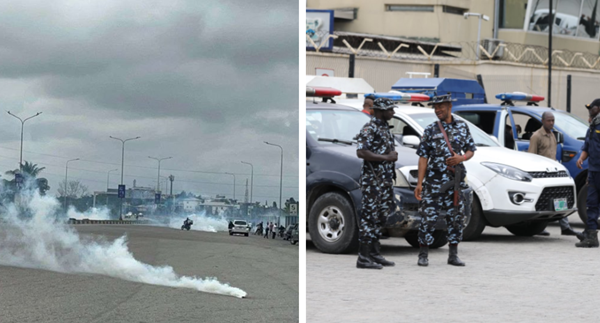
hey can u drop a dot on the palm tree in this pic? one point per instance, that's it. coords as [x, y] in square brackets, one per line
[30, 170]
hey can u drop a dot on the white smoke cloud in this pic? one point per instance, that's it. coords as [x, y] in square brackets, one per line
[32, 238]
[201, 222]
[93, 214]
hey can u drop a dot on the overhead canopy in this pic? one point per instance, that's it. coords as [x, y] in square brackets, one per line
[345, 84]
[465, 91]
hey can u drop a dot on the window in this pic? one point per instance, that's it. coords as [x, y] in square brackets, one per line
[332, 124]
[512, 13]
[576, 18]
[484, 120]
[454, 10]
[396, 7]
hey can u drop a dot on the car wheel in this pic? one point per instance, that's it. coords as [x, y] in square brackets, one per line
[527, 229]
[332, 224]
[475, 224]
[230, 233]
[246, 234]
[440, 239]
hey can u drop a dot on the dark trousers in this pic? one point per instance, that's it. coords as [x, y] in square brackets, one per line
[593, 200]
[266, 234]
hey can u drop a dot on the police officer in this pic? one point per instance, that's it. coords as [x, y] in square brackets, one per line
[376, 147]
[591, 149]
[434, 162]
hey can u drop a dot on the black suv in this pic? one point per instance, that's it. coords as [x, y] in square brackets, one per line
[332, 190]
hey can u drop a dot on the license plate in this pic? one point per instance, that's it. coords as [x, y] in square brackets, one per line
[560, 204]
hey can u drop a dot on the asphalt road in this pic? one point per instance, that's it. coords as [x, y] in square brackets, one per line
[266, 269]
[506, 279]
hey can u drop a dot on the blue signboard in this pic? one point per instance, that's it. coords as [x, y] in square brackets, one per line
[319, 25]
[121, 191]
[157, 198]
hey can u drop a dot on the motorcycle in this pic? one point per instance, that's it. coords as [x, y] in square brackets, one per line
[288, 232]
[187, 225]
[295, 235]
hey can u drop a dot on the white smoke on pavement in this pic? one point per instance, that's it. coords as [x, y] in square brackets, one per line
[32, 237]
[93, 213]
[201, 222]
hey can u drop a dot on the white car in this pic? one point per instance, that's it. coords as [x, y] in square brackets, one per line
[240, 227]
[518, 190]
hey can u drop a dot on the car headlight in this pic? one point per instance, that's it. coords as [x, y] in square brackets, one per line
[400, 180]
[509, 172]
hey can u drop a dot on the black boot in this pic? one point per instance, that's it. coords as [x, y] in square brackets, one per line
[364, 261]
[377, 257]
[453, 256]
[423, 251]
[590, 241]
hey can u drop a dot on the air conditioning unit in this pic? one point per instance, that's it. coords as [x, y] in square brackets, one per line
[490, 46]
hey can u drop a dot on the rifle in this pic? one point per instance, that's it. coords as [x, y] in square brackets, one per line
[459, 173]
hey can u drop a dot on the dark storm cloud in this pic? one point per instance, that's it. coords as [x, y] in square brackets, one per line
[206, 81]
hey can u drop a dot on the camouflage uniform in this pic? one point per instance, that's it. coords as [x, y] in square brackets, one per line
[377, 188]
[433, 146]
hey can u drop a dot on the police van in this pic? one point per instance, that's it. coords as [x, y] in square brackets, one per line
[514, 121]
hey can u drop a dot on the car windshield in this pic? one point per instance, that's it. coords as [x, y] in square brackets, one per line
[480, 137]
[239, 222]
[332, 124]
[570, 124]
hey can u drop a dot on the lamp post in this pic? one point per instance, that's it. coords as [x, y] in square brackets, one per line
[280, 178]
[122, 165]
[251, 179]
[480, 16]
[233, 183]
[107, 179]
[22, 126]
[158, 177]
[66, 181]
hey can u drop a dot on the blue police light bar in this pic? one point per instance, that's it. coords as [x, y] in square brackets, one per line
[519, 96]
[401, 97]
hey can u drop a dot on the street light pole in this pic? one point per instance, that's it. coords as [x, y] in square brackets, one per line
[251, 180]
[280, 178]
[107, 179]
[233, 183]
[480, 16]
[158, 177]
[122, 165]
[66, 181]
[22, 126]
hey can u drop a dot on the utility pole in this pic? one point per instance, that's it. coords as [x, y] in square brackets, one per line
[158, 177]
[66, 181]
[22, 126]
[122, 166]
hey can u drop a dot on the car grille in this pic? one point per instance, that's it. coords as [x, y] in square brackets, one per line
[546, 200]
[414, 173]
[562, 173]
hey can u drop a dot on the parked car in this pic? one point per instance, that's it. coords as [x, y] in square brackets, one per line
[512, 189]
[332, 175]
[501, 121]
[239, 227]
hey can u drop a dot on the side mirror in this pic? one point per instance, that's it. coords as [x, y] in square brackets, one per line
[398, 138]
[559, 137]
[495, 139]
[411, 141]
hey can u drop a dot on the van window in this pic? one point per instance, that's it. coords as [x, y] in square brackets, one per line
[483, 119]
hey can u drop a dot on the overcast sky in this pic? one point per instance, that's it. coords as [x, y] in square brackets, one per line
[205, 82]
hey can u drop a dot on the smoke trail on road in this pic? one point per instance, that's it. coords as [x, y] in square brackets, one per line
[201, 223]
[92, 214]
[33, 238]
